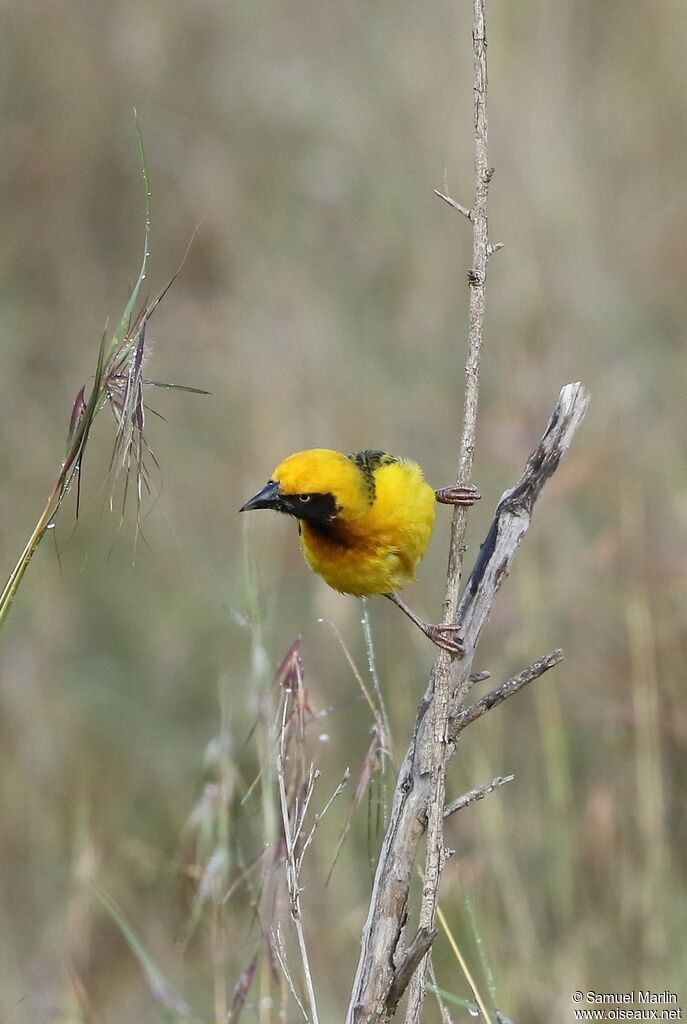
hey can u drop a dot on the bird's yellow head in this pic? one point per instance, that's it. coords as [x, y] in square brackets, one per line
[317, 486]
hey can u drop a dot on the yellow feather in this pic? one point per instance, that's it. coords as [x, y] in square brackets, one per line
[384, 521]
[322, 471]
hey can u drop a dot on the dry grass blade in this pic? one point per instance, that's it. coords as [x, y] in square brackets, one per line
[243, 877]
[290, 678]
[318, 817]
[479, 1000]
[88, 1010]
[292, 868]
[241, 989]
[370, 763]
[280, 953]
[296, 780]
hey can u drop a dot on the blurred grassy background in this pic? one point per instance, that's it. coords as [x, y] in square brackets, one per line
[324, 303]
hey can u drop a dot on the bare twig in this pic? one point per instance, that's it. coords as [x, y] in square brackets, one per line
[505, 690]
[477, 276]
[511, 522]
[419, 799]
[478, 793]
[381, 944]
[455, 205]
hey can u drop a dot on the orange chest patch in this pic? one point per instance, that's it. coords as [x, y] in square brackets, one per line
[375, 553]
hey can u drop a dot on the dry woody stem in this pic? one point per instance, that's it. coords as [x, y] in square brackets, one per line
[477, 277]
[383, 953]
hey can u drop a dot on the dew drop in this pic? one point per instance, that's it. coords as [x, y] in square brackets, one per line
[320, 620]
[473, 1010]
[50, 526]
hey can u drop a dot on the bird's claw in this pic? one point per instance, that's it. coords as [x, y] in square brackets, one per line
[459, 494]
[447, 636]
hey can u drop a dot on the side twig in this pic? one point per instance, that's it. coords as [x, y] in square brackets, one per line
[502, 692]
[478, 793]
[418, 949]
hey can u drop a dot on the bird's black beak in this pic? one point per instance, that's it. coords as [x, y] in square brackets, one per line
[268, 497]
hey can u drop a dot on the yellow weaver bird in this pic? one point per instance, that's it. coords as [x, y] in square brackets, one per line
[365, 520]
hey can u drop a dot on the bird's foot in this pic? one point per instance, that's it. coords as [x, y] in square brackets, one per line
[446, 636]
[459, 494]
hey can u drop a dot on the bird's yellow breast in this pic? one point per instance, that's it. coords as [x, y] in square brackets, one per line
[376, 552]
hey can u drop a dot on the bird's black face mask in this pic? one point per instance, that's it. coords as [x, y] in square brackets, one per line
[316, 509]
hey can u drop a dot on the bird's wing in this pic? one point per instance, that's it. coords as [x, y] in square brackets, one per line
[368, 462]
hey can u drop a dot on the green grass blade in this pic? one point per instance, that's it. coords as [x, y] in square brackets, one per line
[16, 576]
[449, 997]
[481, 952]
[175, 387]
[160, 988]
[123, 326]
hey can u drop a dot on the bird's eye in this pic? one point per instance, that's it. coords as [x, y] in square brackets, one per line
[305, 498]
